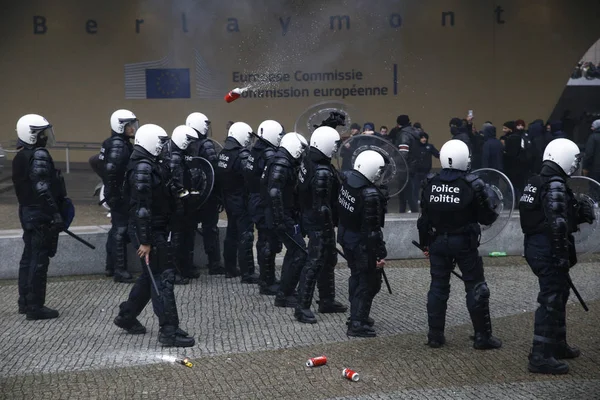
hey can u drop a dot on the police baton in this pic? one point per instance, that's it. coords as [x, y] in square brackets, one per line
[574, 289]
[424, 250]
[79, 239]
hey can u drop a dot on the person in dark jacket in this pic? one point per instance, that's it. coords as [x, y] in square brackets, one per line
[407, 140]
[115, 154]
[459, 131]
[515, 160]
[426, 152]
[538, 144]
[556, 129]
[591, 161]
[492, 149]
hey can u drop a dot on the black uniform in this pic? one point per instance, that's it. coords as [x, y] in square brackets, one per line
[208, 214]
[318, 188]
[268, 244]
[361, 207]
[452, 204]
[549, 215]
[41, 193]
[150, 206]
[115, 154]
[239, 235]
[409, 145]
[183, 221]
[279, 188]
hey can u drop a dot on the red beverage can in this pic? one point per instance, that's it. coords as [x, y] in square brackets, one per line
[316, 361]
[350, 375]
[232, 96]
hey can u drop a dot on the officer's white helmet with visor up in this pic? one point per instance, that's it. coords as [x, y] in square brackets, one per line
[294, 143]
[35, 129]
[121, 119]
[454, 154]
[326, 140]
[370, 164]
[271, 131]
[151, 138]
[565, 153]
[200, 123]
[184, 135]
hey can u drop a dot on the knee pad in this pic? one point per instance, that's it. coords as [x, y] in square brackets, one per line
[481, 293]
[120, 233]
[265, 250]
[552, 303]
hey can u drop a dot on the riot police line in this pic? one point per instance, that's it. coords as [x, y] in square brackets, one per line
[160, 188]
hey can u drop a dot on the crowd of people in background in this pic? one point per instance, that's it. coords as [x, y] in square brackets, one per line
[515, 148]
[587, 70]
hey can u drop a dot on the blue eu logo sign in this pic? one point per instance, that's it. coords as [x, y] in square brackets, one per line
[168, 83]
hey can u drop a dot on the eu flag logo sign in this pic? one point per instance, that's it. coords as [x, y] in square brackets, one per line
[168, 83]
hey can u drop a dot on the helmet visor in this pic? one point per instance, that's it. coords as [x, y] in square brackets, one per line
[162, 140]
[575, 165]
[130, 124]
[45, 135]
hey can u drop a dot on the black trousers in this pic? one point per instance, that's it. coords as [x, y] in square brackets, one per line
[239, 237]
[116, 243]
[208, 216]
[144, 289]
[364, 282]
[319, 270]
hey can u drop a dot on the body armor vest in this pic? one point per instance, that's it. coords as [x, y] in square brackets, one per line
[231, 180]
[449, 204]
[350, 201]
[24, 187]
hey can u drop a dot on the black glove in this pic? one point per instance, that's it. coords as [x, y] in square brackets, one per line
[57, 224]
[586, 212]
[335, 119]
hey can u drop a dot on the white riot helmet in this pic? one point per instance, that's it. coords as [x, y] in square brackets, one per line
[121, 118]
[199, 122]
[294, 143]
[454, 154]
[326, 140]
[151, 138]
[241, 132]
[271, 131]
[371, 164]
[184, 135]
[35, 129]
[564, 153]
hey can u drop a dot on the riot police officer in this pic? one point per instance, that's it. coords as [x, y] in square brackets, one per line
[41, 193]
[268, 245]
[150, 206]
[239, 238]
[318, 190]
[549, 215]
[208, 214]
[361, 207]
[453, 204]
[183, 222]
[278, 183]
[115, 154]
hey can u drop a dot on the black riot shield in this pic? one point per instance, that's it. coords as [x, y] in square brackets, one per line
[502, 193]
[202, 181]
[587, 239]
[395, 175]
[318, 113]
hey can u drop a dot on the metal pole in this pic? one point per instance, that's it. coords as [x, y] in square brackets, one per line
[67, 155]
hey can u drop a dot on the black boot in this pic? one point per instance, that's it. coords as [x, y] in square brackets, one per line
[482, 324]
[370, 322]
[305, 316]
[123, 276]
[562, 351]
[181, 280]
[281, 300]
[35, 313]
[215, 268]
[22, 305]
[250, 279]
[435, 339]
[269, 290]
[131, 326]
[358, 329]
[169, 336]
[109, 272]
[232, 273]
[542, 361]
[330, 306]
